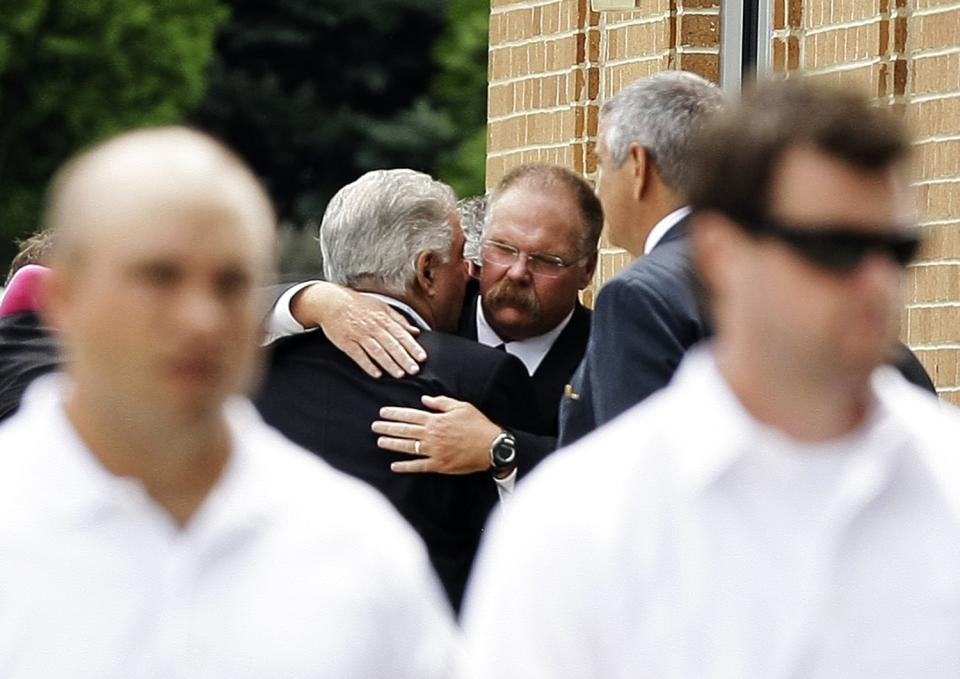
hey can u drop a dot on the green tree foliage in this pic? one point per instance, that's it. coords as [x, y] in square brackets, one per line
[461, 92]
[74, 71]
[315, 92]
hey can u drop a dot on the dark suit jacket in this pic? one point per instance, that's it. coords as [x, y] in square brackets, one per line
[911, 368]
[320, 399]
[549, 380]
[644, 320]
[27, 351]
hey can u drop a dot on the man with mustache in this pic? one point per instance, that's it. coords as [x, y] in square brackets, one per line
[394, 236]
[537, 252]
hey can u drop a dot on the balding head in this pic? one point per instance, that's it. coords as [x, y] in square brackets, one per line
[105, 192]
[161, 237]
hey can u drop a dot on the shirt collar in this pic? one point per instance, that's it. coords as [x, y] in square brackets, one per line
[728, 434]
[83, 492]
[402, 306]
[661, 228]
[530, 351]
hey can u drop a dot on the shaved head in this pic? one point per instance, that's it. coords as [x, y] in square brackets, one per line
[104, 193]
[161, 238]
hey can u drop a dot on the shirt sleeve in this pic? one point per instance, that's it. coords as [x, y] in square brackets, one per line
[505, 486]
[280, 320]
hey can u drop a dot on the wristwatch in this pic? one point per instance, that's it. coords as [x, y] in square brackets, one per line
[503, 452]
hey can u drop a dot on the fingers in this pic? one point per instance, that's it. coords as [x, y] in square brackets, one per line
[374, 350]
[397, 336]
[441, 403]
[390, 345]
[399, 431]
[408, 446]
[401, 352]
[358, 356]
[406, 325]
[408, 415]
[414, 466]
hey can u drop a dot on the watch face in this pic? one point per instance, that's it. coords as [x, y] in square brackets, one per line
[504, 451]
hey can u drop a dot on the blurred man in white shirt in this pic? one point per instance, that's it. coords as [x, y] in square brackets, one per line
[155, 526]
[786, 507]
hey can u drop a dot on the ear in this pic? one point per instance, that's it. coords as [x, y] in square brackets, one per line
[588, 270]
[640, 167]
[427, 263]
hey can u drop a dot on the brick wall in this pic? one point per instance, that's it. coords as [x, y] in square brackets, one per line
[931, 59]
[907, 58]
[552, 62]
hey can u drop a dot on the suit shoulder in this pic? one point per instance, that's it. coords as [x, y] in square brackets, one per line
[668, 262]
[450, 352]
[662, 283]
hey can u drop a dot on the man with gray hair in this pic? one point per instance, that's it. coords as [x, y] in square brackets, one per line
[647, 316]
[394, 235]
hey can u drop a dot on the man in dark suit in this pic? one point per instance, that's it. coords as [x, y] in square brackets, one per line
[558, 364]
[647, 316]
[394, 235]
[538, 251]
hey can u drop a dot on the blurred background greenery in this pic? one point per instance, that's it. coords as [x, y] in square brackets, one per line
[311, 93]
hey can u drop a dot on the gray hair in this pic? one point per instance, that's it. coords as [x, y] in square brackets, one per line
[661, 113]
[375, 228]
[472, 212]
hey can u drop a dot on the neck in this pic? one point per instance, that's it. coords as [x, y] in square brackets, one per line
[783, 395]
[178, 464]
[414, 301]
[659, 202]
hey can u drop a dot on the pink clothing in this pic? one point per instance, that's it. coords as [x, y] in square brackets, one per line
[22, 293]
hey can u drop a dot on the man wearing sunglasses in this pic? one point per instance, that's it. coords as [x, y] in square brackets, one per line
[788, 506]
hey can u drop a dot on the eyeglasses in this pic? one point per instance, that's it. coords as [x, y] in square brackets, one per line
[840, 248]
[549, 266]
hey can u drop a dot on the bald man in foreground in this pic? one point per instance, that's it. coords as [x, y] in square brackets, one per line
[155, 527]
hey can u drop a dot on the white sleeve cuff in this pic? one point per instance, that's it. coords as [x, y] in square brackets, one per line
[280, 322]
[505, 486]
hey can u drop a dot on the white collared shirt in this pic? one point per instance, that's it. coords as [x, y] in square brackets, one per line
[687, 540]
[530, 351]
[289, 568]
[661, 228]
[280, 321]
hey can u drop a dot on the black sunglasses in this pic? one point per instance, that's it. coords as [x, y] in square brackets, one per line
[841, 248]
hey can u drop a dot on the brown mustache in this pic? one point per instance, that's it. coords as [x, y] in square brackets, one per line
[505, 293]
